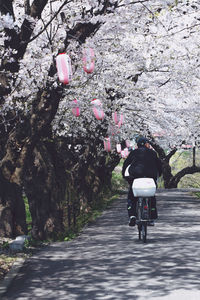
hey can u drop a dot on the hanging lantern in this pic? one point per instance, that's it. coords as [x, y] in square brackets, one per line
[119, 148]
[99, 113]
[127, 143]
[96, 102]
[118, 119]
[126, 152]
[107, 144]
[64, 68]
[97, 109]
[123, 154]
[75, 108]
[88, 60]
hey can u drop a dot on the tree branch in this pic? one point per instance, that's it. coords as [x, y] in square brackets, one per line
[170, 154]
[48, 23]
[186, 171]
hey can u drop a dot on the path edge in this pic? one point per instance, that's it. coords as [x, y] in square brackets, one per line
[11, 275]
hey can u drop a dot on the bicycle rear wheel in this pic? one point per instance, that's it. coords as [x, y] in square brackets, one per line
[140, 231]
[144, 231]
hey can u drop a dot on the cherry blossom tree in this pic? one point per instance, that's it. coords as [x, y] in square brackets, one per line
[34, 108]
[146, 68]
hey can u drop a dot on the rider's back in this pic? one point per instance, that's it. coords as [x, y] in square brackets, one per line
[144, 163]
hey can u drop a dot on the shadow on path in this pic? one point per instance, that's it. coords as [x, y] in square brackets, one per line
[108, 262]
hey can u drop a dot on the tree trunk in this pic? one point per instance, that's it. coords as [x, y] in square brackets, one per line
[45, 185]
[167, 174]
[12, 210]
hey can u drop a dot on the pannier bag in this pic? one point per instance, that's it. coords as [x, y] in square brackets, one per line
[144, 187]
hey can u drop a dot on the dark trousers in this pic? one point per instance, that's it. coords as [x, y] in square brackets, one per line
[132, 203]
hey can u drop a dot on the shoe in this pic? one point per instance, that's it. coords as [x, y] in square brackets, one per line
[151, 223]
[132, 221]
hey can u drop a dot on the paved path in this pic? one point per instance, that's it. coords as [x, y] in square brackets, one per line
[108, 262]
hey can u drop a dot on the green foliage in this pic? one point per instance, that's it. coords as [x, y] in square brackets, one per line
[197, 194]
[182, 159]
[190, 181]
[32, 243]
[160, 182]
[5, 245]
[118, 182]
[28, 214]
[70, 236]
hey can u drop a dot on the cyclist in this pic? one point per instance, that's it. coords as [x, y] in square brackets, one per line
[141, 162]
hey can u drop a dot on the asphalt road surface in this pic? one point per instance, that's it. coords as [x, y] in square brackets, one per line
[108, 262]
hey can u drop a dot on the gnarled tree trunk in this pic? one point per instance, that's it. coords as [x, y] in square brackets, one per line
[12, 210]
[45, 185]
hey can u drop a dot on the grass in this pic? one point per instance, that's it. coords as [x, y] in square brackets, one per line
[118, 183]
[197, 194]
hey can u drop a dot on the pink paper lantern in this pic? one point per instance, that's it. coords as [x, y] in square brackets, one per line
[126, 152]
[119, 148]
[128, 144]
[99, 113]
[96, 102]
[97, 109]
[107, 144]
[75, 108]
[88, 60]
[123, 154]
[64, 68]
[118, 119]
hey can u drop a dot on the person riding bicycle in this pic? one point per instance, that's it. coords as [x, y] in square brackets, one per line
[141, 162]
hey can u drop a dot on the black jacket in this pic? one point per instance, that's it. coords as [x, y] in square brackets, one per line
[144, 163]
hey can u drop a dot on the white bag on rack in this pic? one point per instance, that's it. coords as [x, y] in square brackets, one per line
[144, 187]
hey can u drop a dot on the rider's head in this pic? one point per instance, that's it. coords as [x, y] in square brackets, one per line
[142, 141]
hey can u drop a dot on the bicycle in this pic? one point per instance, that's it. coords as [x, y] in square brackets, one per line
[144, 189]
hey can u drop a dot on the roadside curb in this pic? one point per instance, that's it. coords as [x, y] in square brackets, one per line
[11, 275]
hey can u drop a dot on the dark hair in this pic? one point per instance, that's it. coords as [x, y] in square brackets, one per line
[142, 141]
